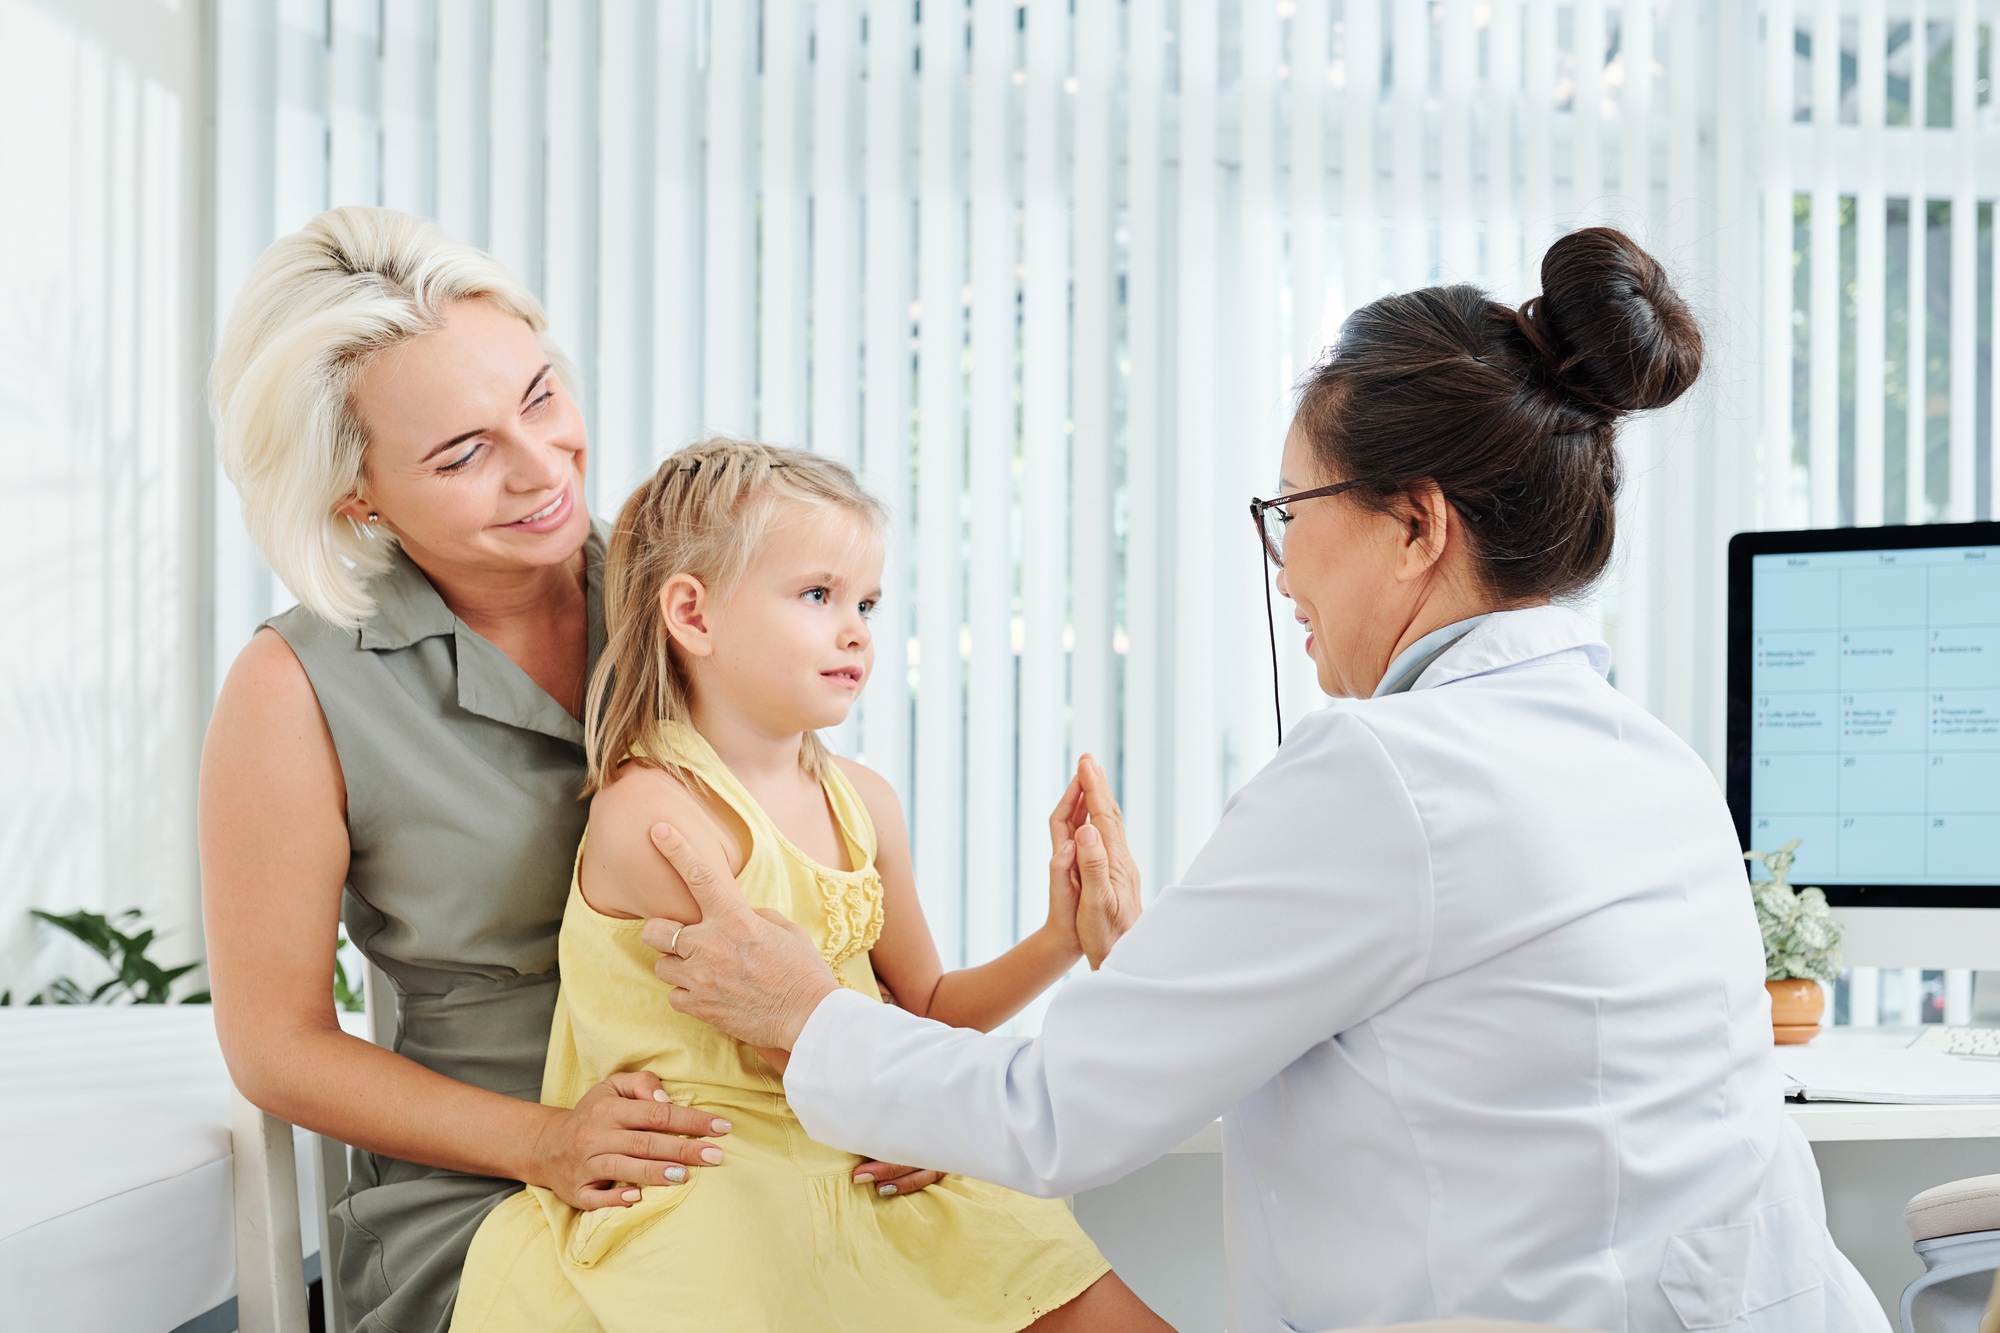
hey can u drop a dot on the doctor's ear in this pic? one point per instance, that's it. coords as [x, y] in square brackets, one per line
[1425, 517]
[684, 606]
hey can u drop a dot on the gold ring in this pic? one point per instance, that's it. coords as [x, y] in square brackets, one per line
[674, 944]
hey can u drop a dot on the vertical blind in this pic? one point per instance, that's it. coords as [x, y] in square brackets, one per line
[1043, 270]
[101, 350]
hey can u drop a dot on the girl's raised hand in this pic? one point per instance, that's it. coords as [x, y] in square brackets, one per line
[1064, 886]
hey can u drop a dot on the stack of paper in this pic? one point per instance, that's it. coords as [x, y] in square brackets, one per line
[1892, 1076]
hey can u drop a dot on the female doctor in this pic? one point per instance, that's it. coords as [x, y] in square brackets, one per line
[1470, 966]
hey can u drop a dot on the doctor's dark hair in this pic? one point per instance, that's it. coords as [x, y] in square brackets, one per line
[1512, 413]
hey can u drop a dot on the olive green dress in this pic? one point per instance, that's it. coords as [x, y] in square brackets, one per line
[463, 821]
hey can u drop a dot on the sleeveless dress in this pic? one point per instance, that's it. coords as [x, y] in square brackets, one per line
[463, 821]
[778, 1238]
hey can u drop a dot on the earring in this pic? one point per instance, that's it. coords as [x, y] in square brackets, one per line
[374, 518]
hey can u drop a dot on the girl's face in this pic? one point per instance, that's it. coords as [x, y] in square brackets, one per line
[788, 645]
[1342, 572]
[475, 452]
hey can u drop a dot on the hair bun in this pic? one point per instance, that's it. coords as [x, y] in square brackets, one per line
[1609, 327]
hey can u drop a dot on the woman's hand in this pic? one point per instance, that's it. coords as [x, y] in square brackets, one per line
[1107, 876]
[752, 975]
[621, 1134]
[890, 1180]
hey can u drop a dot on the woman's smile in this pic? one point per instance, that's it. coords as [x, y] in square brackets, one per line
[549, 517]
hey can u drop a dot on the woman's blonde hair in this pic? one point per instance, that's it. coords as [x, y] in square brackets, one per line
[316, 307]
[704, 513]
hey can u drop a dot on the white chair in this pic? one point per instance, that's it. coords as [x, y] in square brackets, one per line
[270, 1274]
[1956, 1229]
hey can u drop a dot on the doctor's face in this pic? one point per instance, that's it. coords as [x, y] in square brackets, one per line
[1340, 572]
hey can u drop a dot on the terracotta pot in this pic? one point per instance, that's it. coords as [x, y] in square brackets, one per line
[1796, 1005]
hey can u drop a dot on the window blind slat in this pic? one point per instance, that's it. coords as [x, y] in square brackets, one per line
[1306, 250]
[1198, 752]
[624, 92]
[1457, 82]
[409, 106]
[1499, 108]
[1045, 353]
[1775, 168]
[678, 94]
[571, 261]
[782, 226]
[886, 705]
[1360, 225]
[1587, 45]
[729, 225]
[990, 678]
[836, 246]
[1538, 122]
[1870, 240]
[939, 790]
[517, 120]
[1410, 64]
[1146, 734]
[1823, 382]
[1093, 533]
[1964, 400]
[464, 81]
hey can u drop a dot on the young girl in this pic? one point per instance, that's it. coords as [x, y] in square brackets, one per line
[737, 593]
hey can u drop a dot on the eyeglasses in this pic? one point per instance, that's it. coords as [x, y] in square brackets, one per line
[1271, 517]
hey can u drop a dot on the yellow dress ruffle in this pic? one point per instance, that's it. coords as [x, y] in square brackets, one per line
[778, 1238]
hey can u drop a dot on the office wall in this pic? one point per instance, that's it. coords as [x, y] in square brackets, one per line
[103, 300]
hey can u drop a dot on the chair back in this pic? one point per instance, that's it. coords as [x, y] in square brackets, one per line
[270, 1272]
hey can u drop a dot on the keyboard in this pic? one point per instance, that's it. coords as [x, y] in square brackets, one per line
[1975, 1043]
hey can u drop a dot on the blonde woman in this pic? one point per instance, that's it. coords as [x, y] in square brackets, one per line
[404, 748]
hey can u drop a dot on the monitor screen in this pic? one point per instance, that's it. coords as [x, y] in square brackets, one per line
[1865, 709]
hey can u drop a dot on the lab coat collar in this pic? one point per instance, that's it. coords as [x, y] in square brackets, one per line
[1508, 639]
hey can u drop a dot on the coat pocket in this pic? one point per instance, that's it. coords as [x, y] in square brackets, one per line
[1703, 1273]
[1713, 1275]
[587, 1238]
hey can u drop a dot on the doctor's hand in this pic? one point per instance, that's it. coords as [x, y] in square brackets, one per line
[1107, 877]
[752, 974]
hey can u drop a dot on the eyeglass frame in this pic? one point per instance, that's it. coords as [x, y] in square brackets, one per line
[1258, 508]
[1274, 557]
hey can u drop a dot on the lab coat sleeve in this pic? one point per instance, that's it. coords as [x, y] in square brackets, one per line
[1308, 911]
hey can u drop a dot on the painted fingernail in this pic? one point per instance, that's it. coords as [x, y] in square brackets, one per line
[720, 1126]
[677, 1172]
[630, 1196]
[713, 1156]
[863, 1178]
[885, 1190]
[660, 1095]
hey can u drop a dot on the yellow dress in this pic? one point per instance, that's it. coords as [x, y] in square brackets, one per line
[779, 1237]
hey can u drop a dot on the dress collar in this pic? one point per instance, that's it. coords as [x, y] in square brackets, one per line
[409, 610]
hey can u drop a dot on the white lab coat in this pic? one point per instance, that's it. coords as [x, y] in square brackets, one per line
[1474, 973]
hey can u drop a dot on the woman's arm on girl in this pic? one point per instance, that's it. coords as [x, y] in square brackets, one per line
[274, 855]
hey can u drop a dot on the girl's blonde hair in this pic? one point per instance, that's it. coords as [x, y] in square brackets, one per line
[703, 513]
[318, 305]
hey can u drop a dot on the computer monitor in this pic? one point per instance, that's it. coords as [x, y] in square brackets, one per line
[1864, 719]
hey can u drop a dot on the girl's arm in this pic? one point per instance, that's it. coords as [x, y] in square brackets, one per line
[274, 853]
[906, 957]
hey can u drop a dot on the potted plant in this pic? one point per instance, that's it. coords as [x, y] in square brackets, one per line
[1801, 946]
